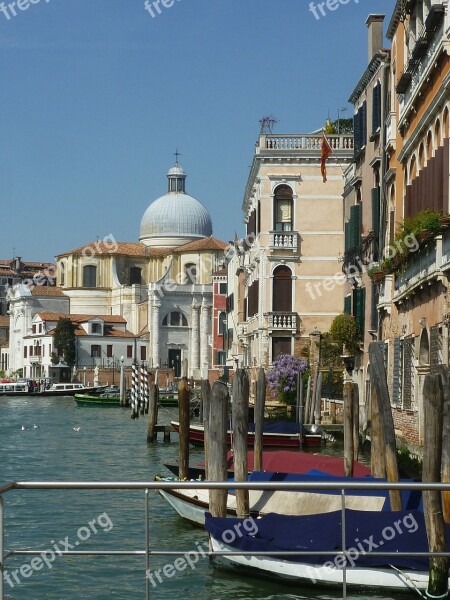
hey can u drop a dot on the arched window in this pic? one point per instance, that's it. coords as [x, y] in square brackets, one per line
[421, 156]
[437, 133]
[282, 289]
[135, 276]
[283, 201]
[429, 145]
[175, 319]
[222, 322]
[62, 273]
[190, 271]
[424, 348]
[90, 276]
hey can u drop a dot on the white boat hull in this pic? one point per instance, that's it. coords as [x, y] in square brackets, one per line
[386, 579]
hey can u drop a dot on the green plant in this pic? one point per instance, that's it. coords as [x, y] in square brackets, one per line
[409, 465]
[344, 331]
[64, 341]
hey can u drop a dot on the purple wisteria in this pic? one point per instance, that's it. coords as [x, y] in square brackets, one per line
[282, 377]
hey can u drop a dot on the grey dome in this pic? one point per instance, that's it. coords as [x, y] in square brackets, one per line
[175, 218]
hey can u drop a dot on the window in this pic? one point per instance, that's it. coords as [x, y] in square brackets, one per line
[230, 303]
[96, 328]
[283, 208]
[25, 351]
[62, 274]
[221, 358]
[222, 321]
[135, 276]
[40, 327]
[175, 319]
[223, 289]
[96, 351]
[281, 345]
[190, 271]
[129, 351]
[90, 276]
[282, 289]
[143, 352]
[376, 109]
[109, 351]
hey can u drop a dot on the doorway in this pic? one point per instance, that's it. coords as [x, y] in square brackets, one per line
[175, 361]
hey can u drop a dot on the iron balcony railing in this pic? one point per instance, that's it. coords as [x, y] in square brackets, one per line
[147, 552]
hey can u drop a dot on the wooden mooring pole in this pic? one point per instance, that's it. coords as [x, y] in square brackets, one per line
[355, 415]
[260, 402]
[206, 407]
[241, 390]
[183, 408]
[217, 445]
[433, 403]
[377, 456]
[348, 429]
[445, 467]
[152, 412]
[379, 381]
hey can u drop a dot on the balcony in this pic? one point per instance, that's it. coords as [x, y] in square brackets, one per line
[305, 142]
[391, 130]
[283, 321]
[422, 268]
[283, 240]
[422, 61]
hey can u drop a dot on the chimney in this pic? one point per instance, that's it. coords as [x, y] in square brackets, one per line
[375, 26]
[18, 261]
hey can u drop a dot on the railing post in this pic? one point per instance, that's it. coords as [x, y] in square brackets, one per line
[344, 548]
[147, 548]
[2, 566]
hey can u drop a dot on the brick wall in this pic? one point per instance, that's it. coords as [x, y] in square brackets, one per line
[406, 424]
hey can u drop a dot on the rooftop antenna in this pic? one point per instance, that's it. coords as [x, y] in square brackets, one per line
[267, 124]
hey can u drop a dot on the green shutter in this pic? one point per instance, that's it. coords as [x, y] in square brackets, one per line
[376, 211]
[347, 236]
[348, 305]
[359, 305]
[396, 372]
[355, 227]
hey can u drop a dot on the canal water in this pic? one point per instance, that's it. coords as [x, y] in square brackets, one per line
[64, 442]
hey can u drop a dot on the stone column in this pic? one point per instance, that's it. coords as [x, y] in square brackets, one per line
[155, 332]
[204, 330]
[195, 344]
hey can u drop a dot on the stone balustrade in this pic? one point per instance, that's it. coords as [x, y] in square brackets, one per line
[287, 240]
[283, 321]
[305, 142]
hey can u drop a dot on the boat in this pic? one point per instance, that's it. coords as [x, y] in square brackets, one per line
[96, 400]
[57, 389]
[285, 461]
[402, 531]
[281, 434]
[193, 504]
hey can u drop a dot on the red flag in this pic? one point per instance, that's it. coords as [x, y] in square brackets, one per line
[326, 153]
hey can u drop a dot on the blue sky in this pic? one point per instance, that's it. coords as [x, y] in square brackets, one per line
[96, 96]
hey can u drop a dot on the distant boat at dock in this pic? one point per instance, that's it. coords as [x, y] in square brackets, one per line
[57, 389]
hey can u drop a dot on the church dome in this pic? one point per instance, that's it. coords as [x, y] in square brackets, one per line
[175, 218]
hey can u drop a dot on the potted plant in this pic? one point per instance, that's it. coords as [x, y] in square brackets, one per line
[375, 272]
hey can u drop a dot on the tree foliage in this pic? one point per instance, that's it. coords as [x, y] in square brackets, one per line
[344, 331]
[64, 341]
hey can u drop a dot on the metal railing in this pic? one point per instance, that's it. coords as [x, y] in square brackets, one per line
[208, 485]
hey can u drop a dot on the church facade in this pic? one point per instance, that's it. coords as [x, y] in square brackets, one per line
[162, 285]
